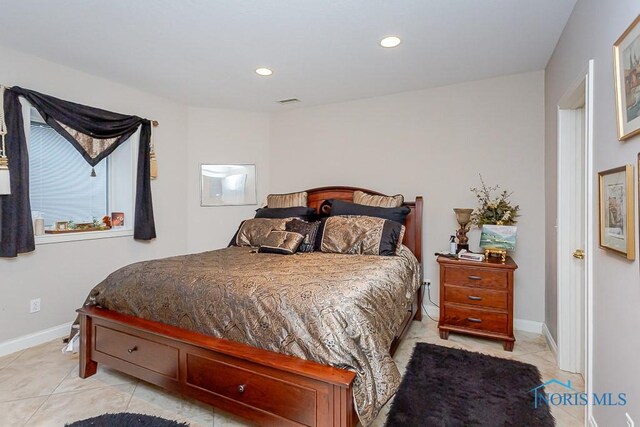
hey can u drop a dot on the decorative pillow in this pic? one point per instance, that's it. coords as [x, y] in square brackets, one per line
[362, 198]
[281, 242]
[340, 207]
[363, 235]
[253, 232]
[295, 212]
[308, 229]
[287, 200]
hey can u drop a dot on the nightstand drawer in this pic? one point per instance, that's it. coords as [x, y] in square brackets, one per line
[465, 276]
[476, 296]
[474, 318]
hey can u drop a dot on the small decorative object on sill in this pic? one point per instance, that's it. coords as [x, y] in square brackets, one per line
[117, 219]
[463, 216]
[497, 240]
[63, 227]
[496, 216]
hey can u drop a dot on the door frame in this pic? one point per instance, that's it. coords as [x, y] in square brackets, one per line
[568, 318]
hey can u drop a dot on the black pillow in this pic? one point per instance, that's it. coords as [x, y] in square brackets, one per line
[302, 212]
[308, 229]
[340, 207]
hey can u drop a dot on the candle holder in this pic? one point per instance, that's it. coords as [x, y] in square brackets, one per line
[463, 216]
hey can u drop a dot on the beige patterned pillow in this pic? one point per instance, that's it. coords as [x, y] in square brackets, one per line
[287, 200]
[362, 198]
[254, 232]
[363, 235]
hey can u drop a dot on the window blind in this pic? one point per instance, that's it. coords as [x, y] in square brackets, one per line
[60, 183]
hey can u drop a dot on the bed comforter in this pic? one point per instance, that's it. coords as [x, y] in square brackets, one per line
[338, 310]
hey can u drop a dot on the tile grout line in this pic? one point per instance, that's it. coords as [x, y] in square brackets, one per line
[36, 411]
[135, 387]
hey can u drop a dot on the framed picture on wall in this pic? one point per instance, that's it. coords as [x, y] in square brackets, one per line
[616, 206]
[227, 185]
[626, 59]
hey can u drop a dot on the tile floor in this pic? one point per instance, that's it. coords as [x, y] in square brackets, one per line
[40, 386]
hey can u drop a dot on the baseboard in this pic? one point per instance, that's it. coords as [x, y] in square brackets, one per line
[36, 338]
[550, 341]
[518, 324]
[592, 421]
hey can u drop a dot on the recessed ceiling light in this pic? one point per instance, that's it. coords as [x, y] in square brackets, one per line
[264, 71]
[391, 41]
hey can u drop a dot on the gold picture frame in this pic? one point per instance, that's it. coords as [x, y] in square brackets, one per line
[626, 63]
[616, 211]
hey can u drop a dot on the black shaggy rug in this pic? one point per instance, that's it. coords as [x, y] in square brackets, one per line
[450, 387]
[126, 419]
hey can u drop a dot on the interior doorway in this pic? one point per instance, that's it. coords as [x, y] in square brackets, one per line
[575, 227]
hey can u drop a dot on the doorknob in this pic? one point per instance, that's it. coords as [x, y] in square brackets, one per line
[578, 253]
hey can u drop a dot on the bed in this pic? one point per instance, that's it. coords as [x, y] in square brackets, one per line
[273, 381]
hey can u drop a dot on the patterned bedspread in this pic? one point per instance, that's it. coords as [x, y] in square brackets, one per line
[339, 310]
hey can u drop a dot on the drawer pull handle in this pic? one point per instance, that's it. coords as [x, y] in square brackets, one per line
[474, 298]
[474, 319]
[475, 278]
[241, 388]
[132, 349]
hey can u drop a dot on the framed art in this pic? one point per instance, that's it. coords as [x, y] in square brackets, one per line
[227, 185]
[117, 219]
[616, 207]
[626, 60]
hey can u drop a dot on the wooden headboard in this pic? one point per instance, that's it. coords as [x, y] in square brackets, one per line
[413, 233]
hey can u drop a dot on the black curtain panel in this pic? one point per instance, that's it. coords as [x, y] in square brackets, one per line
[95, 133]
[17, 228]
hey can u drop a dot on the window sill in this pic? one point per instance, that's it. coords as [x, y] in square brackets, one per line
[82, 235]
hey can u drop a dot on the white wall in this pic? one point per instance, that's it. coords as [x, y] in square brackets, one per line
[431, 143]
[216, 137]
[590, 33]
[62, 274]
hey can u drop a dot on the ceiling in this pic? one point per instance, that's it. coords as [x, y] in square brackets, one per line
[204, 53]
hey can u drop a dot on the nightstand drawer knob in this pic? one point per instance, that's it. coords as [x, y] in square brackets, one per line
[241, 388]
[132, 349]
[474, 319]
[474, 298]
[475, 278]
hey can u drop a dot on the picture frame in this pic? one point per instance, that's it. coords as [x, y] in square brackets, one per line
[228, 185]
[616, 211]
[117, 219]
[626, 61]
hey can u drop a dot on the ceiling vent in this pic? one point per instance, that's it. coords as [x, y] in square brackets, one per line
[289, 101]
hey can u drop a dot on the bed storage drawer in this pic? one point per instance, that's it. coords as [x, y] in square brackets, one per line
[274, 395]
[137, 352]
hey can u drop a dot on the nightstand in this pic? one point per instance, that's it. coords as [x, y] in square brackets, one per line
[476, 298]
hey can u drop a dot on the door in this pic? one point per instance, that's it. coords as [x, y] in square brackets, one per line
[572, 229]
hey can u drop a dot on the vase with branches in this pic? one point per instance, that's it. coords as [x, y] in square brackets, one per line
[494, 209]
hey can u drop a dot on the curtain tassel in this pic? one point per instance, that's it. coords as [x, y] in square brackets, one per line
[5, 178]
[153, 169]
[93, 173]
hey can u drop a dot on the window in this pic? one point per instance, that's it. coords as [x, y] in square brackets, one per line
[60, 181]
[62, 187]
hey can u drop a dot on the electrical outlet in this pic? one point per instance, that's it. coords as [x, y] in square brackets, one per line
[35, 305]
[630, 422]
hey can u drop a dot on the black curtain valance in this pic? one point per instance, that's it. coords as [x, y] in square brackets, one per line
[95, 133]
